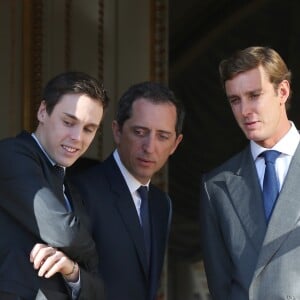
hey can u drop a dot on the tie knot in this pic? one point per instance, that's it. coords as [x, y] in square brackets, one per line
[270, 156]
[143, 192]
[60, 171]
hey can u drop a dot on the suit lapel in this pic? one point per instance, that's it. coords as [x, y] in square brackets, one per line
[126, 208]
[285, 215]
[159, 211]
[246, 197]
[53, 178]
[128, 213]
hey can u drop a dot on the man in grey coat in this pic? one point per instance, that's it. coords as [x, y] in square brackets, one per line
[251, 247]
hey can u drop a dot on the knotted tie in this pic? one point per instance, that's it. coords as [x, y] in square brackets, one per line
[145, 220]
[61, 172]
[270, 184]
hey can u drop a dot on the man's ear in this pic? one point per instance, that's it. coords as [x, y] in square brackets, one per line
[42, 112]
[284, 91]
[177, 142]
[116, 131]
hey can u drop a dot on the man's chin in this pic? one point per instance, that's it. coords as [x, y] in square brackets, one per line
[253, 136]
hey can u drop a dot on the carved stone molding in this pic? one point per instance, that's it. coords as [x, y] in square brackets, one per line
[32, 60]
[100, 66]
[159, 61]
[159, 41]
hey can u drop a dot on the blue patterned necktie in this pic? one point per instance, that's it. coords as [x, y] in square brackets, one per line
[270, 184]
[145, 219]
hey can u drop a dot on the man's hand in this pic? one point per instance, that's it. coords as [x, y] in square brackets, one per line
[48, 261]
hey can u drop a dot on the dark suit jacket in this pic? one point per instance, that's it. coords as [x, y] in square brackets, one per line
[245, 259]
[32, 210]
[118, 234]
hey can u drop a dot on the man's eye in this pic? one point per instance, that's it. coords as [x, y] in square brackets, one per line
[164, 136]
[139, 132]
[67, 123]
[89, 130]
[254, 96]
[233, 101]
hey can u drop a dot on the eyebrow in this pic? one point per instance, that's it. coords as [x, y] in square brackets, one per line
[259, 90]
[159, 130]
[76, 119]
[70, 116]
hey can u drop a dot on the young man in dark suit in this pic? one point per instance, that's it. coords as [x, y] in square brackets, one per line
[251, 241]
[46, 251]
[147, 130]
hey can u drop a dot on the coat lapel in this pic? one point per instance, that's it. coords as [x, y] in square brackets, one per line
[159, 226]
[126, 208]
[285, 216]
[246, 197]
[160, 210]
[128, 213]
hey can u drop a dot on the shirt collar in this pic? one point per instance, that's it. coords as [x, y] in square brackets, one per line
[286, 145]
[44, 151]
[131, 182]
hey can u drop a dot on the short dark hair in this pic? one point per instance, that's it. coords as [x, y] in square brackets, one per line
[73, 83]
[151, 91]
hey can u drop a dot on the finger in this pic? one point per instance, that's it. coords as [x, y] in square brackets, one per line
[53, 264]
[42, 255]
[35, 250]
[53, 270]
[48, 262]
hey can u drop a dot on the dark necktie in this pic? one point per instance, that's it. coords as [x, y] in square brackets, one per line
[270, 185]
[145, 220]
[61, 172]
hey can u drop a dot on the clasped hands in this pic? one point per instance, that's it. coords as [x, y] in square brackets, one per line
[48, 261]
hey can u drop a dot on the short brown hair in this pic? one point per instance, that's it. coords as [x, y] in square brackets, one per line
[253, 57]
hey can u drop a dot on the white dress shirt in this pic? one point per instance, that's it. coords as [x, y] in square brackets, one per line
[287, 146]
[132, 183]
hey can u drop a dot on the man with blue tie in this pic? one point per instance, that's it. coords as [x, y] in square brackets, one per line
[130, 216]
[46, 250]
[250, 205]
